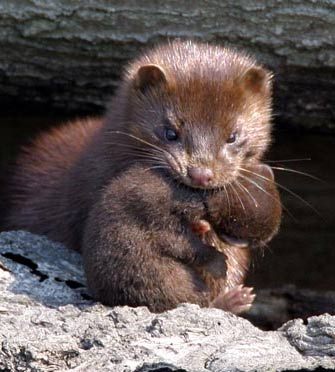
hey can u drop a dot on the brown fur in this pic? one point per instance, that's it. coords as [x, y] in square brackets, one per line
[139, 248]
[44, 197]
[204, 93]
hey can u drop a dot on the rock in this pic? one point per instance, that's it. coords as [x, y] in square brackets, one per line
[69, 55]
[49, 323]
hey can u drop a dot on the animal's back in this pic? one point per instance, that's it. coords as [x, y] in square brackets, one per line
[40, 188]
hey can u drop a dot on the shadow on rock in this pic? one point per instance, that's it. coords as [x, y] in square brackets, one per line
[42, 270]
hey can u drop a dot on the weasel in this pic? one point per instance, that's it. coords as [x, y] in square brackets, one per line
[196, 112]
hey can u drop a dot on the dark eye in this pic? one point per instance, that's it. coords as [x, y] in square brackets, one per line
[170, 134]
[232, 138]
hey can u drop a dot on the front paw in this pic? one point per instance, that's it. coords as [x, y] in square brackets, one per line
[210, 257]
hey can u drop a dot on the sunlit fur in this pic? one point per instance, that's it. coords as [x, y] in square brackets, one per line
[58, 179]
[205, 100]
[87, 183]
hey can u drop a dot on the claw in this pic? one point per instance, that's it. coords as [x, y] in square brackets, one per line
[236, 300]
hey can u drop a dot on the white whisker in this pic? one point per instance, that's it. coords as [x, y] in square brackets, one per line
[298, 172]
[287, 160]
[247, 192]
[286, 189]
[239, 198]
[267, 193]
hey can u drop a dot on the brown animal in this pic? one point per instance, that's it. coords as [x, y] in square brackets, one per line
[139, 248]
[199, 113]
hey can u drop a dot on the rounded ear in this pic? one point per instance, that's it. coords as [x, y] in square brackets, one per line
[256, 79]
[149, 76]
[266, 171]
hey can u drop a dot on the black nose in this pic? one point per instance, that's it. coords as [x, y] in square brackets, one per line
[201, 176]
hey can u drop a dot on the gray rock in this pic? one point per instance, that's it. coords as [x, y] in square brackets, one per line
[69, 54]
[48, 323]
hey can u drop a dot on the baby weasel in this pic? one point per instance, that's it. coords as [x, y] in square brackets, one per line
[143, 247]
[197, 115]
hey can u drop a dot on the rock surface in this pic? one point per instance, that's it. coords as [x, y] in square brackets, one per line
[49, 323]
[69, 54]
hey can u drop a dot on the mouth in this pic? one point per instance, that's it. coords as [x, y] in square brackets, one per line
[206, 180]
[196, 185]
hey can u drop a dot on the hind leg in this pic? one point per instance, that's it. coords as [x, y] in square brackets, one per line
[236, 300]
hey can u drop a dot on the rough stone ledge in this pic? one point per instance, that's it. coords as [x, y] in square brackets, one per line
[48, 323]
